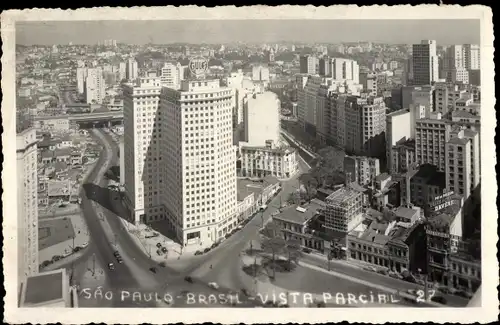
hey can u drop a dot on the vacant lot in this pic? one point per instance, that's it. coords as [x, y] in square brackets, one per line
[52, 232]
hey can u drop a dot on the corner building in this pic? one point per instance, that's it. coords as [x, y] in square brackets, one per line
[199, 161]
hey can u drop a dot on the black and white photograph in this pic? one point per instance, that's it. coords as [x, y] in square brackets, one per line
[253, 161]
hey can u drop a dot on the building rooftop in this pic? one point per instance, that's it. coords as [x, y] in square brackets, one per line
[382, 177]
[399, 112]
[458, 141]
[431, 175]
[301, 214]
[58, 188]
[245, 187]
[404, 212]
[463, 114]
[444, 218]
[48, 289]
[285, 150]
[342, 195]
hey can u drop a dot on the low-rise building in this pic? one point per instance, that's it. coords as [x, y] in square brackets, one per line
[295, 223]
[464, 272]
[262, 161]
[254, 195]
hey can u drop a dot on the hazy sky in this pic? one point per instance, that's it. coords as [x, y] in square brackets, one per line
[445, 31]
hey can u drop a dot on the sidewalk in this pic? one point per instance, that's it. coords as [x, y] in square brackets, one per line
[139, 234]
[263, 289]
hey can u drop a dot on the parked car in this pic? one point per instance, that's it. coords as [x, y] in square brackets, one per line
[307, 250]
[369, 268]
[227, 235]
[239, 227]
[158, 245]
[206, 250]
[198, 253]
[152, 269]
[245, 292]
[119, 259]
[439, 299]
[213, 246]
[162, 264]
[111, 266]
[188, 279]
[164, 249]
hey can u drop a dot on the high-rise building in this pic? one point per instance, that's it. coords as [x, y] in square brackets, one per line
[81, 76]
[262, 119]
[425, 63]
[260, 73]
[235, 82]
[200, 187]
[171, 75]
[369, 82]
[398, 127]
[122, 71]
[143, 163]
[472, 56]
[309, 64]
[454, 65]
[365, 124]
[344, 69]
[132, 70]
[430, 141]
[95, 88]
[458, 165]
[27, 202]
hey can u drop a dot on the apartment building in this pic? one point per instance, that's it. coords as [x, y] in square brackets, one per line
[309, 64]
[27, 202]
[472, 56]
[200, 189]
[95, 88]
[430, 141]
[132, 71]
[398, 127]
[260, 73]
[369, 82]
[171, 75]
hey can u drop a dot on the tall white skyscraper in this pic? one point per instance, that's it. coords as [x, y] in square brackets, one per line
[200, 161]
[454, 65]
[143, 164]
[27, 203]
[81, 75]
[260, 73]
[472, 56]
[171, 75]
[122, 71]
[425, 63]
[344, 69]
[95, 89]
[132, 70]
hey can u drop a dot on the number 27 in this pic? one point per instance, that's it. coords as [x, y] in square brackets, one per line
[421, 295]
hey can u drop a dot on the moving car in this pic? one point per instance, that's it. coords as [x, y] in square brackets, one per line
[188, 279]
[198, 253]
[307, 250]
[213, 285]
[152, 269]
[111, 266]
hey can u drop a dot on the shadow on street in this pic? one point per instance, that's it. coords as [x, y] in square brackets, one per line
[101, 195]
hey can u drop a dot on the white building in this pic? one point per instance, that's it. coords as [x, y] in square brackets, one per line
[171, 75]
[398, 126]
[143, 164]
[235, 82]
[27, 203]
[81, 76]
[122, 71]
[200, 188]
[95, 89]
[268, 160]
[132, 70]
[309, 64]
[425, 63]
[472, 56]
[344, 69]
[262, 119]
[260, 73]
[454, 68]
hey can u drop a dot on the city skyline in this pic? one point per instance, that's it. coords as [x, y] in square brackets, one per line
[444, 31]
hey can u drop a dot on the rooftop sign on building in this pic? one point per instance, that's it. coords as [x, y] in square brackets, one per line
[198, 66]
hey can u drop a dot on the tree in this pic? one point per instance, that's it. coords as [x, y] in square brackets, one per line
[272, 243]
[310, 184]
[293, 250]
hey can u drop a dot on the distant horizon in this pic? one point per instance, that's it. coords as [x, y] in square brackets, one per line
[444, 31]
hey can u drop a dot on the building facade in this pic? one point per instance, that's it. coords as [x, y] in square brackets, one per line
[361, 170]
[95, 88]
[27, 203]
[430, 140]
[263, 161]
[425, 63]
[200, 189]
